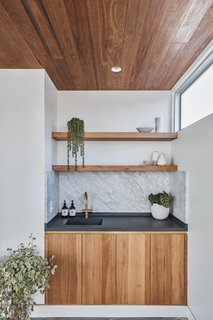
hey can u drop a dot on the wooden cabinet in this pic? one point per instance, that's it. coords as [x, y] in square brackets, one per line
[66, 284]
[132, 269]
[128, 268]
[168, 269]
[98, 268]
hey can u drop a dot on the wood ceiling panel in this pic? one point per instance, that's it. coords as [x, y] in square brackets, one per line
[25, 28]
[192, 19]
[166, 65]
[134, 29]
[190, 51]
[116, 13]
[78, 41]
[97, 17]
[153, 20]
[19, 17]
[42, 25]
[171, 16]
[13, 48]
[67, 22]
[80, 25]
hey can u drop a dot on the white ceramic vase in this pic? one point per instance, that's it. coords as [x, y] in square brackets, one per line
[161, 160]
[159, 212]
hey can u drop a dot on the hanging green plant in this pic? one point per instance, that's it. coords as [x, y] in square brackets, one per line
[75, 142]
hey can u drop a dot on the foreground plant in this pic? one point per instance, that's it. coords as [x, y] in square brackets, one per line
[23, 272]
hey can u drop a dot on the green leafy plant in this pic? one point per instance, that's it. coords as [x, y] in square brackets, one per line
[75, 142]
[163, 199]
[23, 272]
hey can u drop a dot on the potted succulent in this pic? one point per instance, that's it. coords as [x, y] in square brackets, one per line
[75, 141]
[23, 272]
[160, 204]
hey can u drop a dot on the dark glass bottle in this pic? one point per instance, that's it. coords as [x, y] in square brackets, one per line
[64, 210]
[72, 211]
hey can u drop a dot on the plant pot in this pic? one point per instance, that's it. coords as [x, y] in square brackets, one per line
[159, 212]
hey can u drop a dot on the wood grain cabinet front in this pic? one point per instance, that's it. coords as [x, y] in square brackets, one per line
[66, 284]
[132, 269]
[168, 269]
[128, 268]
[98, 268]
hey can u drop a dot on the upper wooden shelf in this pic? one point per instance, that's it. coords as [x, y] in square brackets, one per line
[120, 136]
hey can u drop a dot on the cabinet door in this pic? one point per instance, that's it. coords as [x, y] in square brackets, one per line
[132, 269]
[98, 268]
[65, 285]
[168, 269]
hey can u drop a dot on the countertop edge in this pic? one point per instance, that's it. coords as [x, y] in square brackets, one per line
[179, 227]
[117, 232]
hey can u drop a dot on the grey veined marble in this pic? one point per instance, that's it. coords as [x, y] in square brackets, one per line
[52, 195]
[112, 191]
[178, 191]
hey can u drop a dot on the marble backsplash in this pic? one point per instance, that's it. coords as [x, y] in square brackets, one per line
[178, 190]
[52, 195]
[113, 191]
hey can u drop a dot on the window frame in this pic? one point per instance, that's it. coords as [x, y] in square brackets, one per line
[202, 66]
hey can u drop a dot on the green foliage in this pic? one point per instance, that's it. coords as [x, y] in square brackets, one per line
[75, 141]
[163, 199]
[23, 272]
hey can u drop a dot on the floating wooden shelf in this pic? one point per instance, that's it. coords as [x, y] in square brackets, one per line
[120, 136]
[63, 168]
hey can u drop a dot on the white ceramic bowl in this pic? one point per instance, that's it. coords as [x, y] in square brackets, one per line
[148, 162]
[145, 129]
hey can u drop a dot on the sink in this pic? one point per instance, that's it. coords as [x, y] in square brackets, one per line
[83, 221]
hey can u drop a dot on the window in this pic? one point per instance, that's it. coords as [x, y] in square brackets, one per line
[197, 100]
[193, 98]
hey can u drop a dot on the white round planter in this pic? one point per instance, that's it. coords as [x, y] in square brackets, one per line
[159, 212]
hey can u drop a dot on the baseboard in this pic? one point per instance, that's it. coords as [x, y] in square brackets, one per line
[111, 311]
[190, 316]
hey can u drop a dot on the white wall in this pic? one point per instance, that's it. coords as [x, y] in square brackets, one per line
[51, 178]
[50, 122]
[114, 111]
[194, 153]
[22, 163]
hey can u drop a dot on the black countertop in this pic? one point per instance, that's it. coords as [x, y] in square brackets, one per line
[139, 222]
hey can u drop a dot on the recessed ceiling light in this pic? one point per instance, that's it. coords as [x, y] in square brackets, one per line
[116, 69]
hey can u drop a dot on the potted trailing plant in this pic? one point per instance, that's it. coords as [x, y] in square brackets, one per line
[75, 142]
[23, 272]
[160, 204]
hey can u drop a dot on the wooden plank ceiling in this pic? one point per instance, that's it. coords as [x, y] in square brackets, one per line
[78, 41]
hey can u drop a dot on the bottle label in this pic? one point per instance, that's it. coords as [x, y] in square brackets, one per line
[64, 212]
[72, 212]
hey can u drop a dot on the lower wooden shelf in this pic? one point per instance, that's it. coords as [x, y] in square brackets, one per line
[64, 168]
